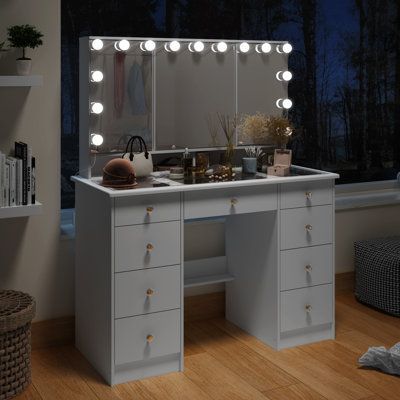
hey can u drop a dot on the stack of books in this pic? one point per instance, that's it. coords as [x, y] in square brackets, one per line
[17, 177]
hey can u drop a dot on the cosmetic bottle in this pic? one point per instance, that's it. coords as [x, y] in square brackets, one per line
[187, 163]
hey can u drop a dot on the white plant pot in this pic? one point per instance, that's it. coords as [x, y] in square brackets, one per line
[24, 67]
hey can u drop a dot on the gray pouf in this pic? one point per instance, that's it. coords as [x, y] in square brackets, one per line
[377, 273]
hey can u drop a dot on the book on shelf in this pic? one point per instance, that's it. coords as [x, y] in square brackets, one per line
[17, 177]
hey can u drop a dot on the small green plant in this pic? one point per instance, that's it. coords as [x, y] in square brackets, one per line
[24, 36]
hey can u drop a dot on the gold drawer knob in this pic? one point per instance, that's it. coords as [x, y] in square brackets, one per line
[308, 308]
[234, 202]
[149, 247]
[149, 338]
[149, 210]
[149, 292]
[308, 195]
[308, 228]
[308, 268]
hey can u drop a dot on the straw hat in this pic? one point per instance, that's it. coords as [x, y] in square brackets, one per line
[119, 174]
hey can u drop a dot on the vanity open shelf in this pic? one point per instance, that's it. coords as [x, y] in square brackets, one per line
[208, 280]
[21, 211]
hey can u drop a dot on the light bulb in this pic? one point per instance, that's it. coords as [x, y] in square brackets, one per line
[96, 139]
[284, 48]
[198, 46]
[172, 46]
[148, 45]
[284, 76]
[284, 103]
[244, 47]
[220, 47]
[96, 108]
[97, 44]
[122, 45]
[263, 48]
[96, 76]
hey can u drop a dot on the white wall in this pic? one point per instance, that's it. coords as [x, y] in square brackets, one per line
[30, 247]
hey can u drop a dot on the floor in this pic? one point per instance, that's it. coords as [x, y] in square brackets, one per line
[223, 362]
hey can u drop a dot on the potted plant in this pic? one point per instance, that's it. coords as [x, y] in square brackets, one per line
[249, 163]
[24, 36]
[280, 130]
[253, 129]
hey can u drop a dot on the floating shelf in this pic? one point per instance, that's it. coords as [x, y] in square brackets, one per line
[21, 211]
[21, 81]
[207, 280]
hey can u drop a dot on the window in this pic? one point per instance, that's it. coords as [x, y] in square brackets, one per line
[346, 67]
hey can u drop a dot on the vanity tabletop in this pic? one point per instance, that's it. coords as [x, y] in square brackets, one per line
[153, 184]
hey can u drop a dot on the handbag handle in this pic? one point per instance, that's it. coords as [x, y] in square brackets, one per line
[129, 147]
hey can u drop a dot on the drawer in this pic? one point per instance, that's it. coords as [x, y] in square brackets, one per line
[305, 194]
[309, 226]
[308, 266]
[147, 246]
[147, 336]
[147, 291]
[218, 202]
[146, 209]
[306, 307]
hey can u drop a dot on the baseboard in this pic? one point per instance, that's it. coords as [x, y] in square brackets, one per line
[53, 332]
[61, 331]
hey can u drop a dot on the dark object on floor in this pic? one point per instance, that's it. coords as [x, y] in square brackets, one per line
[385, 360]
[119, 174]
[377, 273]
[17, 310]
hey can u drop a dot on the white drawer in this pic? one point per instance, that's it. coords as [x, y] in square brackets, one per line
[133, 335]
[306, 307]
[147, 246]
[146, 209]
[307, 266]
[147, 291]
[309, 226]
[305, 194]
[231, 201]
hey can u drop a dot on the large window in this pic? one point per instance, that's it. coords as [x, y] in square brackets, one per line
[346, 66]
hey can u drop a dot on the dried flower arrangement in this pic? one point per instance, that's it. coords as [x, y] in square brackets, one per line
[280, 129]
[254, 152]
[254, 128]
[228, 125]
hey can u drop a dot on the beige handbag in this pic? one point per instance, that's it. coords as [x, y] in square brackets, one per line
[141, 161]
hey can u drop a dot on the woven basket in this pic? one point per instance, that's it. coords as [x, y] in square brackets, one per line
[17, 310]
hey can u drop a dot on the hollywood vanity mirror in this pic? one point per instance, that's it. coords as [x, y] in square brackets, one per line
[168, 91]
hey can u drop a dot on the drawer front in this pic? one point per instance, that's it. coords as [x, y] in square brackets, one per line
[231, 201]
[306, 307]
[305, 194]
[308, 266]
[147, 246]
[133, 336]
[146, 209]
[309, 226]
[147, 291]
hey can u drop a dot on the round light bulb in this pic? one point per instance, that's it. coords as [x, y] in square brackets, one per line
[96, 76]
[96, 108]
[148, 45]
[172, 46]
[97, 44]
[284, 103]
[244, 47]
[96, 139]
[122, 45]
[222, 47]
[263, 48]
[284, 76]
[284, 48]
[198, 46]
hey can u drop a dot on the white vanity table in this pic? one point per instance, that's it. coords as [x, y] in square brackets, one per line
[130, 271]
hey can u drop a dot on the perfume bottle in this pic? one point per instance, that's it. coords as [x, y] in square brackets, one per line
[187, 163]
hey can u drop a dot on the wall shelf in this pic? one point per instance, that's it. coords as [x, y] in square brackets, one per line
[21, 81]
[208, 280]
[21, 211]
